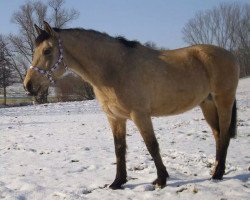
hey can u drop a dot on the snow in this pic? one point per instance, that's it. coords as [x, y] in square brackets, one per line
[65, 151]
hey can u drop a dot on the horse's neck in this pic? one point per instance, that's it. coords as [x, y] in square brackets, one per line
[94, 60]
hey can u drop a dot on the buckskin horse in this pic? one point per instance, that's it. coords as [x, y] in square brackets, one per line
[132, 81]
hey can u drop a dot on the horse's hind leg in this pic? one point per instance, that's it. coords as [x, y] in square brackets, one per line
[224, 104]
[210, 113]
[118, 127]
[144, 124]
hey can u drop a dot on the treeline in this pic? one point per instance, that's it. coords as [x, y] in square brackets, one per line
[227, 26]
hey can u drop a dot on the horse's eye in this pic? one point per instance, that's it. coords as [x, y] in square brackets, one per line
[47, 51]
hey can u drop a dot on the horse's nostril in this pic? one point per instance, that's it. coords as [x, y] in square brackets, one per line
[29, 87]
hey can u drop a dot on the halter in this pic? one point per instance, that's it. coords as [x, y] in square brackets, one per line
[48, 73]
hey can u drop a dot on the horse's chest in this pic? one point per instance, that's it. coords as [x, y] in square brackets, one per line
[112, 106]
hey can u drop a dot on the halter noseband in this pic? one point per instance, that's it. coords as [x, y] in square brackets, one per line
[48, 73]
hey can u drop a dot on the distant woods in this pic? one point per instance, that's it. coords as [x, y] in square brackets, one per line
[227, 26]
[6, 68]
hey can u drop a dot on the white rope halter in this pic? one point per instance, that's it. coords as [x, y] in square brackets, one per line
[48, 73]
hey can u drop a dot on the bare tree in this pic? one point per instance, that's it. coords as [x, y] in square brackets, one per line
[60, 16]
[151, 45]
[227, 26]
[6, 72]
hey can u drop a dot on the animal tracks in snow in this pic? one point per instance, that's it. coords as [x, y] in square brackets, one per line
[47, 152]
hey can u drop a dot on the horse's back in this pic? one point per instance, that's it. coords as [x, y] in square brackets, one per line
[191, 74]
[219, 65]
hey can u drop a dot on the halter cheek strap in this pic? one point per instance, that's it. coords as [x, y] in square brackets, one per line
[48, 73]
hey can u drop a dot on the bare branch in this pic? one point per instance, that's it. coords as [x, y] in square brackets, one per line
[227, 26]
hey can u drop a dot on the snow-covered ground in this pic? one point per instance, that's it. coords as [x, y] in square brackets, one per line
[66, 151]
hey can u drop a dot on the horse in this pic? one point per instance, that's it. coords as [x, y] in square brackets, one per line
[135, 82]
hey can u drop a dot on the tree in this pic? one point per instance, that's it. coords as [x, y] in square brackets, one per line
[6, 72]
[227, 26]
[153, 45]
[60, 17]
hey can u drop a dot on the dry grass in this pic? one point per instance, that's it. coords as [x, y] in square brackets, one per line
[16, 101]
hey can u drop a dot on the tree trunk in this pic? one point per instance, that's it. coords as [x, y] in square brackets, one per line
[4, 86]
[4, 96]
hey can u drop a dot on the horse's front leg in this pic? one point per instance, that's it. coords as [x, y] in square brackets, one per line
[144, 124]
[118, 127]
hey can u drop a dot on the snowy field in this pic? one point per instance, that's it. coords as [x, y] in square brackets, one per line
[66, 151]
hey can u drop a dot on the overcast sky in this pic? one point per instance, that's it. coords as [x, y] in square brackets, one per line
[159, 21]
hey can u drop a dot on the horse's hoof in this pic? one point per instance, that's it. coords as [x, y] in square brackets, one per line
[117, 184]
[217, 177]
[159, 183]
[218, 174]
[115, 187]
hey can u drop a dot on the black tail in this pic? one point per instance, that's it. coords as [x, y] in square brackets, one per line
[233, 125]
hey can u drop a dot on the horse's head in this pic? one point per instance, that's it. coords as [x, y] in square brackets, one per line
[46, 63]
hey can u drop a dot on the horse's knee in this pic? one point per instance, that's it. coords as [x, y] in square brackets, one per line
[152, 146]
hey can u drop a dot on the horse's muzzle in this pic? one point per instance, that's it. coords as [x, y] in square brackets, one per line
[30, 89]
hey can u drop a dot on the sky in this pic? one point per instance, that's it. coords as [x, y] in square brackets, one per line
[158, 21]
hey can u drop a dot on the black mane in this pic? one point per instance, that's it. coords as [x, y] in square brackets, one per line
[127, 43]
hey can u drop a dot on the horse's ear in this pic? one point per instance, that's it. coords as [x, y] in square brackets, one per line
[38, 30]
[48, 29]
